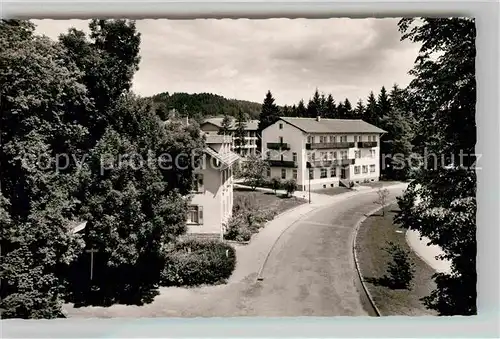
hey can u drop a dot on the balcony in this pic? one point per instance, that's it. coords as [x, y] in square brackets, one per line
[330, 145]
[344, 162]
[278, 146]
[330, 163]
[367, 144]
[282, 163]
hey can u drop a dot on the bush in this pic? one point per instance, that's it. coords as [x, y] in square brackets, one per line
[246, 222]
[401, 269]
[238, 229]
[275, 184]
[290, 186]
[208, 262]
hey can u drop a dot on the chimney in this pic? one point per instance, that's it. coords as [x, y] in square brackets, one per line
[318, 118]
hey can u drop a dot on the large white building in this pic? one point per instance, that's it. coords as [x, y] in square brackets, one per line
[322, 153]
[212, 126]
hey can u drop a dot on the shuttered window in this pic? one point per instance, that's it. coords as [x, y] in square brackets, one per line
[195, 215]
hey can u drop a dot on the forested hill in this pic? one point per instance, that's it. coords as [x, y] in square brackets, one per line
[203, 105]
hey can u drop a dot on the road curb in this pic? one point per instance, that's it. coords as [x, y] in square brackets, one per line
[356, 263]
[340, 197]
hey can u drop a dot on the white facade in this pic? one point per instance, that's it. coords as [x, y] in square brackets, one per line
[212, 200]
[333, 156]
[213, 125]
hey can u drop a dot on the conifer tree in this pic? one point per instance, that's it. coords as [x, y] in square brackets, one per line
[359, 111]
[347, 109]
[239, 132]
[270, 112]
[330, 107]
[301, 109]
[371, 110]
[225, 125]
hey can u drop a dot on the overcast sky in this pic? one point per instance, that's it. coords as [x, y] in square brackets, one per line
[244, 58]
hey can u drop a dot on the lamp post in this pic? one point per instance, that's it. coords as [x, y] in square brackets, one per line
[309, 185]
[309, 174]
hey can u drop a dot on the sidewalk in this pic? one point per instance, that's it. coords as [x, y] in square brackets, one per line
[426, 252]
[251, 257]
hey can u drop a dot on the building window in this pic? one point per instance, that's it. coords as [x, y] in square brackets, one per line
[365, 169]
[294, 156]
[311, 173]
[334, 155]
[268, 172]
[268, 155]
[344, 154]
[195, 215]
[283, 173]
[323, 173]
[313, 156]
[330, 155]
[356, 169]
[357, 154]
[198, 184]
[281, 157]
[281, 140]
[332, 138]
[281, 126]
[295, 174]
[372, 153]
[333, 172]
[372, 168]
[360, 138]
[355, 138]
[309, 139]
[343, 138]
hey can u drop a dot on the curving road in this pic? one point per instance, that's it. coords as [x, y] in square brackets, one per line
[310, 272]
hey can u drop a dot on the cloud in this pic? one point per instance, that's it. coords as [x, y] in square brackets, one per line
[244, 58]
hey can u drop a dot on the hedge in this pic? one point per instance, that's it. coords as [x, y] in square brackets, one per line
[198, 262]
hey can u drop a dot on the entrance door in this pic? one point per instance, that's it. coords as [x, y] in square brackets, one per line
[343, 173]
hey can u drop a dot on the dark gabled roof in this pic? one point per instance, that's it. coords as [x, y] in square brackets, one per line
[312, 125]
[251, 125]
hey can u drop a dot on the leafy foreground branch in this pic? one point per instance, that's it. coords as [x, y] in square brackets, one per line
[441, 202]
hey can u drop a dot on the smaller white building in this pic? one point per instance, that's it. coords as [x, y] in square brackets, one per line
[212, 126]
[212, 199]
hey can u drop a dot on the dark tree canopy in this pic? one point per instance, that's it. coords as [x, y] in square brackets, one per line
[72, 97]
[444, 91]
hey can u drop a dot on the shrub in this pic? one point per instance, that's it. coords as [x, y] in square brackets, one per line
[290, 186]
[238, 229]
[401, 269]
[208, 262]
[275, 184]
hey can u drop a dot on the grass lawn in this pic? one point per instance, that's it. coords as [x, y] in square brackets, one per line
[374, 234]
[381, 183]
[267, 200]
[332, 190]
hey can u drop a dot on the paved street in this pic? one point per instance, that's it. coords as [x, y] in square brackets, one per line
[310, 271]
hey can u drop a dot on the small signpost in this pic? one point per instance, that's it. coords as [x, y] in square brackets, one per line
[92, 251]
